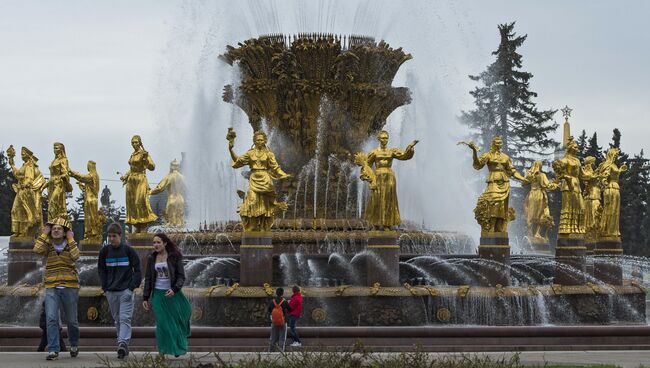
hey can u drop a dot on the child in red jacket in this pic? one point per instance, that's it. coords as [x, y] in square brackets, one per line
[296, 310]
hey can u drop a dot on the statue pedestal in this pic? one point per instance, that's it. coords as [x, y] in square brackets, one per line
[540, 245]
[90, 248]
[607, 261]
[256, 258]
[142, 243]
[383, 262]
[21, 259]
[494, 253]
[570, 254]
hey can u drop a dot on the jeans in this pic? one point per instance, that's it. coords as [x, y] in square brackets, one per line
[293, 320]
[67, 299]
[121, 305]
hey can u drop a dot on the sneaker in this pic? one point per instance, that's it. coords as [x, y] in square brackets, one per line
[121, 352]
[296, 343]
[53, 355]
[74, 351]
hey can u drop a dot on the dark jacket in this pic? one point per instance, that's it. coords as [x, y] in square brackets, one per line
[176, 274]
[285, 305]
[119, 268]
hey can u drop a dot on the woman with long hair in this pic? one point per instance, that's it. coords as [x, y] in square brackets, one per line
[609, 173]
[59, 184]
[164, 278]
[138, 208]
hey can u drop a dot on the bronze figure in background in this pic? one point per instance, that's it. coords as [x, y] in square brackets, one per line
[568, 175]
[93, 219]
[26, 211]
[58, 186]
[260, 205]
[538, 216]
[174, 184]
[609, 173]
[382, 211]
[591, 196]
[492, 210]
[138, 208]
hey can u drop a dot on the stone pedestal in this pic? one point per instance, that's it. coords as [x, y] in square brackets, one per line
[540, 246]
[256, 258]
[570, 254]
[89, 248]
[21, 259]
[494, 252]
[383, 261]
[607, 261]
[142, 243]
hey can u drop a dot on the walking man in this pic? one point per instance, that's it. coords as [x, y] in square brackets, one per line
[278, 311]
[119, 272]
[61, 280]
[296, 310]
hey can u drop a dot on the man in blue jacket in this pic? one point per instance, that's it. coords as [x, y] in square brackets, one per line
[119, 272]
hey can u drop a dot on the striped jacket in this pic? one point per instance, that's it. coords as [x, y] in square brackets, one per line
[61, 268]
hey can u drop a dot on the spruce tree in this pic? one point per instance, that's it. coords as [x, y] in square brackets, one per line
[582, 144]
[593, 149]
[634, 186]
[504, 106]
[7, 194]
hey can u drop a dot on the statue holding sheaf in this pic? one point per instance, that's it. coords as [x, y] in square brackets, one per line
[26, 211]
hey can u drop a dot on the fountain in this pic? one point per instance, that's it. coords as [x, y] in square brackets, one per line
[320, 97]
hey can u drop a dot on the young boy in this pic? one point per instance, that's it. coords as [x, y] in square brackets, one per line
[278, 311]
[120, 274]
[61, 280]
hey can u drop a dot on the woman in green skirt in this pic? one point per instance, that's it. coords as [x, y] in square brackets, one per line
[164, 278]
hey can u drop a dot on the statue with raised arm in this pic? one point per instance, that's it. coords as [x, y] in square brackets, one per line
[592, 194]
[174, 184]
[26, 211]
[382, 211]
[568, 176]
[538, 216]
[93, 219]
[609, 174]
[260, 205]
[59, 184]
[138, 208]
[492, 210]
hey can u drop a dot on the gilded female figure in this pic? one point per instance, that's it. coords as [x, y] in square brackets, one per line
[592, 199]
[538, 216]
[382, 210]
[26, 211]
[567, 173]
[174, 184]
[138, 209]
[492, 211]
[89, 185]
[260, 206]
[59, 184]
[609, 173]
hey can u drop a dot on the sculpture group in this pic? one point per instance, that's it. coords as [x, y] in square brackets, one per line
[26, 212]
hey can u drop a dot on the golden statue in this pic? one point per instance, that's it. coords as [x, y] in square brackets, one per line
[382, 211]
[592, 199]
[492, 211]
[59, 184]
[609, 173]
[568, 175]
[174, 183]
[538, 216]
[93, 219]
[26, 212]
[138, 209]
[260, 206]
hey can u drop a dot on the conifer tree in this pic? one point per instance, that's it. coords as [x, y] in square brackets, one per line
[593, 149]
[582, 144]
[634, 189]
[7, 194]
[504, 105]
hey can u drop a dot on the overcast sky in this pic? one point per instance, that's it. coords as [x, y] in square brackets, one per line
[87, 73]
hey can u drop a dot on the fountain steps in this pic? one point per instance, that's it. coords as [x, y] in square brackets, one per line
[466, 338]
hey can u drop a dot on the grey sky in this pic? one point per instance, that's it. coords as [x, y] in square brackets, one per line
[87, 73]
